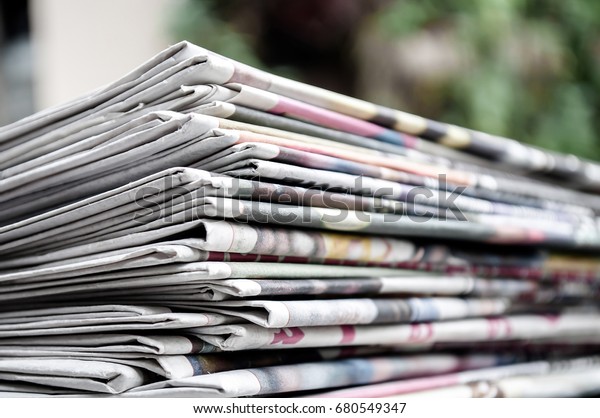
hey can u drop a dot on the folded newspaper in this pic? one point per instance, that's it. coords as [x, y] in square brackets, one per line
[201, 228]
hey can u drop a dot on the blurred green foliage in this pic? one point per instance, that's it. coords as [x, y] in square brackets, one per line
[533, 72]
[530, 69]
[201, 21]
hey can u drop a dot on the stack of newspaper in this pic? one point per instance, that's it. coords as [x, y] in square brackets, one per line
[203, 228]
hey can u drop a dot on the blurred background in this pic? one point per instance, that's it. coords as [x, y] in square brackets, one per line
[526, 69]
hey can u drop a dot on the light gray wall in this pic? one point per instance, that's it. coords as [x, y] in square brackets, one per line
[80, 45]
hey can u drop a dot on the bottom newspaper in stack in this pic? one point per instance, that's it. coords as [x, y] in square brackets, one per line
[156, 289]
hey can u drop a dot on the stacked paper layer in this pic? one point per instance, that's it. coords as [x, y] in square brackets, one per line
[203, 228]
